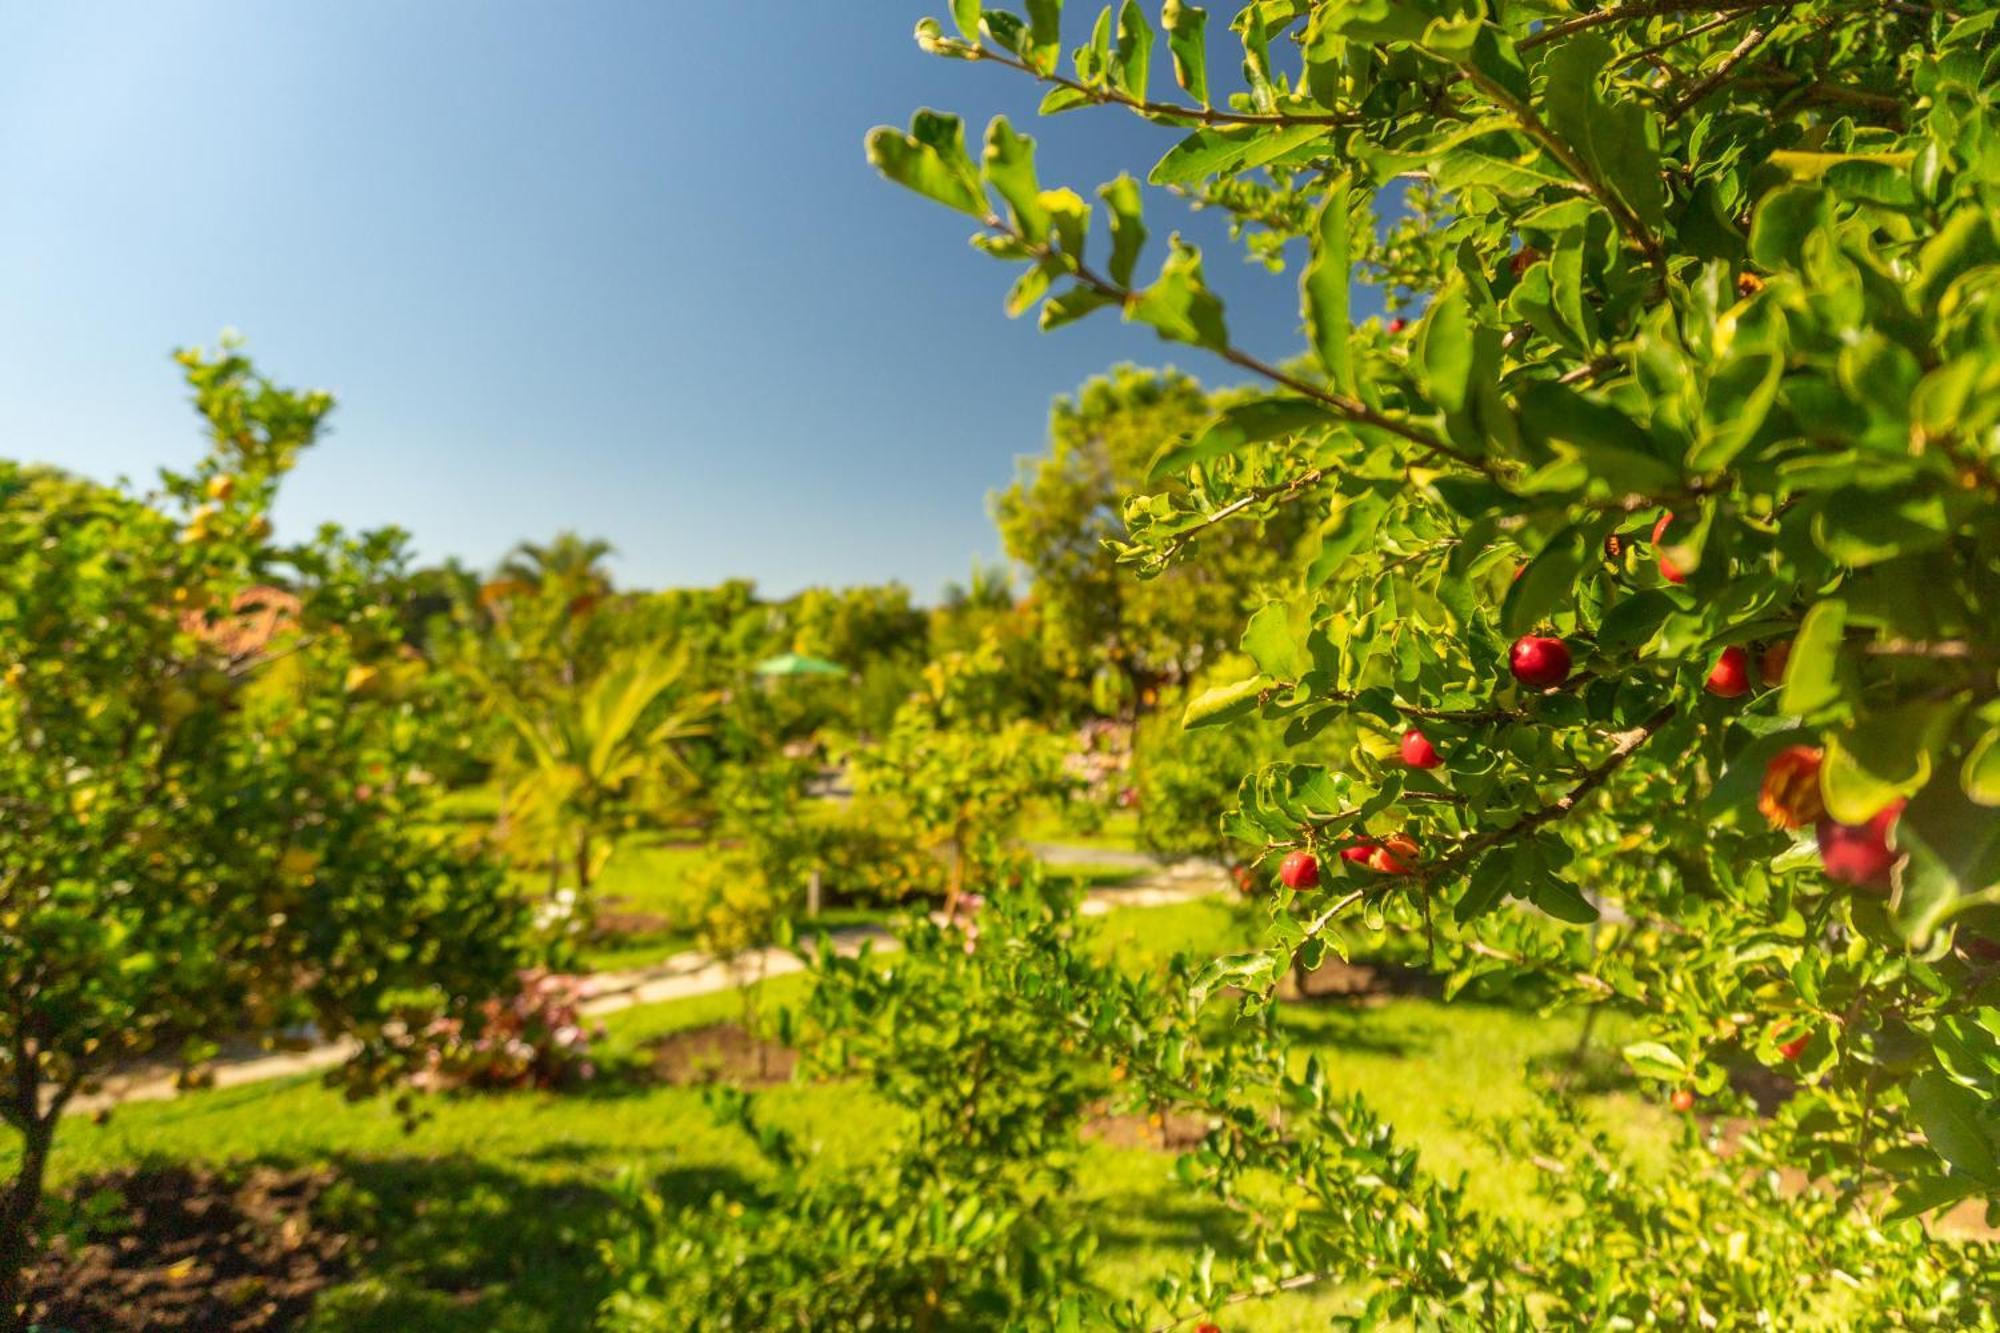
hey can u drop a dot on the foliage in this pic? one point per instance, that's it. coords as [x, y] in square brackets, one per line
[957, 1224]
[1187, 778]
[1701, 393]
[959, 780]
[218, 756]
[1063, 517]
[595, 758]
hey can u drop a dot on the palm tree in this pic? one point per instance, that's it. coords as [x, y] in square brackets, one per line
[568, 561]
[599, 759]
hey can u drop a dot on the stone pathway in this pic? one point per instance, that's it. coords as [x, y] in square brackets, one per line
[677, 977]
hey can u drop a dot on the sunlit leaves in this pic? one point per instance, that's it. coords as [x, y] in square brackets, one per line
[930, 159]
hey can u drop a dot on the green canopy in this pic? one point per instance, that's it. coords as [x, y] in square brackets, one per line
[798, 664]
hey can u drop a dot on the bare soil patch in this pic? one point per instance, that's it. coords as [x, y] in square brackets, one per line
[1165, 1133]
[184, 1248]
[1357, 983]
[720, 1053]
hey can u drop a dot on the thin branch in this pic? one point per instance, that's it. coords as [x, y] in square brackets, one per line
[1292, 1283]
[1150, 109]
[1531, 124]
[1640, 9]
[1352, 409]
[1737, 55]
[1624, 746]
[1685, 35]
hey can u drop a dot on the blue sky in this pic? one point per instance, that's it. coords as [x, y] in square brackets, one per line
[616, 267]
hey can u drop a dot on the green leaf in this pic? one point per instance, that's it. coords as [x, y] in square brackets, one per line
[1045, 33]
[1483, 890]
[1809, 672]
[1073, 305]
[930, 159]
[1244, 424]
[1951, 851]
[1981, 774]
[1651, 1059]
[1224, 703]
[1135, 50]
[1179, 304]
[1245, 971]
[965, 13]
[1888, 753]
[1324, 288]
[1862, 527]
[1950, 1117]
[1544, 585]
[1618, 140]
[1927, 1194]
[1739, 397]
[1128, 230]
[1009, 167]
[1220, 151]
[1272, 641]
[1784, 218]
[1186, 29]
[1444, 349]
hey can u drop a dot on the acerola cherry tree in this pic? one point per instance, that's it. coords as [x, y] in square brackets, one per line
[1707, 372]
[214, 759]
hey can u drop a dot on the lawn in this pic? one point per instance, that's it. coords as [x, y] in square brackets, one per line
[485, 1216]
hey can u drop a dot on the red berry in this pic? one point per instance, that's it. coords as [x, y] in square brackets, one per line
[1859, 854]
[1670, 571]
[1398, 324]
[1729, 678]
[1524, 259]
[1206, 1328]
[1397, 855]
[1418, 752]
[1300, 870]
[1683, 1099]
[1772, 661]
[1539, 661]
[1357, 852]
[1796, 1047]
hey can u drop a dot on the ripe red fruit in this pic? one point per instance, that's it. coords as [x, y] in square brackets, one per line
[1859, 854]
[1789, 796]
[1729, 678]
[1300, 870]
[1539, 661]
[1398, 324]
[1206, 1328]
[1396, 856]
[1772, 661]
[1670, 571]
[1358, 852]
[1683, 1099]
[1796, 1047]
[1245, 881]
[1524, 259]
[1418, 752]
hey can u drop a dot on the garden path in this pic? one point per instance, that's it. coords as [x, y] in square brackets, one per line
[678, 977]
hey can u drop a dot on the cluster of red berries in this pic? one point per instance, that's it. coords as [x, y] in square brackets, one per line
[1396, 854]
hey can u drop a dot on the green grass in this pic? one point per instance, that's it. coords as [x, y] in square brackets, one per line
[1118, 833]
[486, 1216]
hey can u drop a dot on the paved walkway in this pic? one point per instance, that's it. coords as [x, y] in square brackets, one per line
[677, 977]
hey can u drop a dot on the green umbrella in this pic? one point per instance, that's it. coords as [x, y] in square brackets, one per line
[798, 664]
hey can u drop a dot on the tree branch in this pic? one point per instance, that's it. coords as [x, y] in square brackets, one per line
[1352, 409]
[1741, 52]
[1143, 107]
[1637, 9]
[1624, 746]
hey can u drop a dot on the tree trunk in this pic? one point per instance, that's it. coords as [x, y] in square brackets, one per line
[23, 1200]
[582, 862]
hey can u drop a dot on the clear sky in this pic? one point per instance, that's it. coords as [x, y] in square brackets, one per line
[616, 267]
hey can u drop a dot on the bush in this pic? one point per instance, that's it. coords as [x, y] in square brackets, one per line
[535, 1038]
